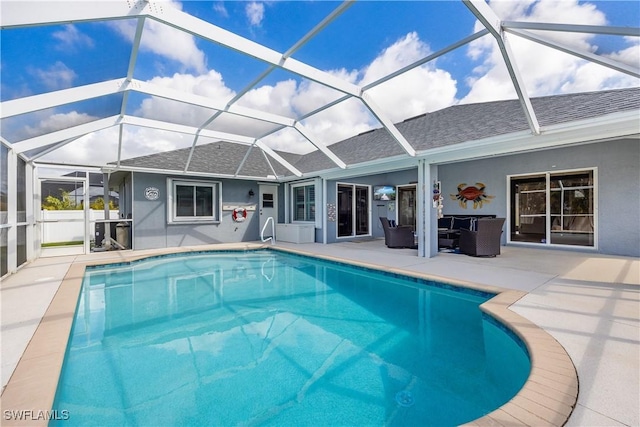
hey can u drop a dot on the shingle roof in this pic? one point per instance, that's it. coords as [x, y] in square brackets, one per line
[217, 158]
[452, 125]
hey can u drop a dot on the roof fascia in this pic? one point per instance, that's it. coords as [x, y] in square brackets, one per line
[65, 134]
[612, 126]
[610, 63]
[491, 22]
[112, 168]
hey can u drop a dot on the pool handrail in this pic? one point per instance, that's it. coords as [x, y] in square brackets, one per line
[273, 231]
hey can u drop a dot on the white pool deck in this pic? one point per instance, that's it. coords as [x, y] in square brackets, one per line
[589, 303]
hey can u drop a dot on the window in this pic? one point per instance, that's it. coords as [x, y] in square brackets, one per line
[267, 200]
[194, 201]
[304, 202]
[353, 210]
[554, 208]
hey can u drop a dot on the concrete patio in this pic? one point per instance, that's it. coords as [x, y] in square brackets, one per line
[589, 303]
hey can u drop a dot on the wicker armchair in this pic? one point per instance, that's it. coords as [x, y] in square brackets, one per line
[397, 237]
[485, 240]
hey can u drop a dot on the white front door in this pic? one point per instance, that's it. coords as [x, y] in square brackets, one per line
[268, 207]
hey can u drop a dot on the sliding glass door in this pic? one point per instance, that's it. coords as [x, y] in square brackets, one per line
[353, 210]
[406, 206]
[553, 208]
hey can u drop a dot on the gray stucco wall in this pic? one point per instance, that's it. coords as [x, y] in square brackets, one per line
[618, 176]
[150, 228]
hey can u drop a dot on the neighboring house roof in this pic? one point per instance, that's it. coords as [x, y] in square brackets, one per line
[94, 192]
[449, 126]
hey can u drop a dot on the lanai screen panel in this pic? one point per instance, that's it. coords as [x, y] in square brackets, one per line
[293, 59]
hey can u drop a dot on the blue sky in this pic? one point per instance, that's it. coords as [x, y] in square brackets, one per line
[370, 39]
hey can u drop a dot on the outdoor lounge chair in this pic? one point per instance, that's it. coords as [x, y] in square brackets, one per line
[397, 237]
[484, 240]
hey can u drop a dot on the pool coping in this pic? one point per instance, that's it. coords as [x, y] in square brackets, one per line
[547, 397]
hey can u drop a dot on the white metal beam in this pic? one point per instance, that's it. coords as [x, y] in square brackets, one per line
[135, 48]
[42, 101]
[67, 96]
[318, 28]
[273, 170]
[65, 134]
[16, 14]
[491, 22]
[244, 159]
[53, 147]
[427, 58]
[388, 124]
[189, 130]
[278, 158]
[208, 31]
[202, 101]
[319, 145]
[570, 28]
[591, 57]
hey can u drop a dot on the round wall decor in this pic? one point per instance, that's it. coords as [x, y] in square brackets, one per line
[151, 193]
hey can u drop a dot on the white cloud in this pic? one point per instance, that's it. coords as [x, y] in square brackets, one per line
[589, 75]
[71, 39]
[101, 147]
[255, 13]
[209, 85]
[165, 41]
[220, 9]
[56, 77]
[423, 89]
[276, 99]
[544, 70]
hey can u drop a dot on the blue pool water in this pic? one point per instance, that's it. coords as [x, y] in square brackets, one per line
[268, 338]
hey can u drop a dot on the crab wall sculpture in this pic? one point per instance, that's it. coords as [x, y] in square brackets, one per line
[475, 194]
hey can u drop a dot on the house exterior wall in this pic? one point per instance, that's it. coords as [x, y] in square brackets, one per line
[151, 230]
[378, 208]
[618, 175]
[618, 204]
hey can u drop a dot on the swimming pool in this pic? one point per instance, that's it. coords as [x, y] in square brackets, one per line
[268, 338]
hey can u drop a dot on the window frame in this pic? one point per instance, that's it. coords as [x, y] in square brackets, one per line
[216, 202]
[548, 215]
[307, 202]
[355, 212]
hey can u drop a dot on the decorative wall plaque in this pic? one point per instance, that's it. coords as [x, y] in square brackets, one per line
[331, 212]
[151, 193]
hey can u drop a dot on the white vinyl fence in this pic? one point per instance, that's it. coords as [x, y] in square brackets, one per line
[68, 226]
